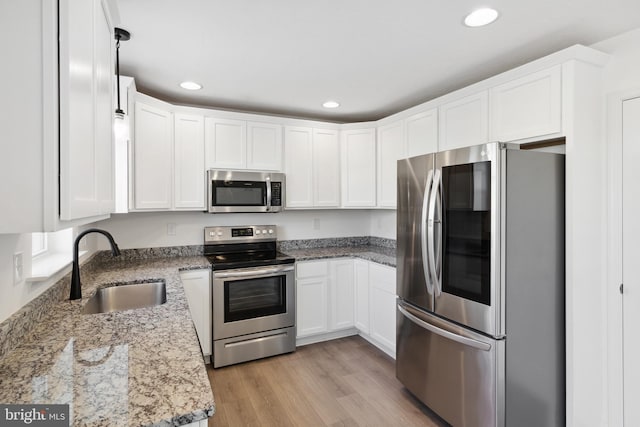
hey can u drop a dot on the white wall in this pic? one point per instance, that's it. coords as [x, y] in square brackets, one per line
[623, 70]
[144, 230]
[16, 296]
[383, 223]
[621, 78]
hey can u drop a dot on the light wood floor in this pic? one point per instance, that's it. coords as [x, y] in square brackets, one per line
[344, 382]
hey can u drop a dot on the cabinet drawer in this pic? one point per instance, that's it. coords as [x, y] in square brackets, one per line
[312, 269]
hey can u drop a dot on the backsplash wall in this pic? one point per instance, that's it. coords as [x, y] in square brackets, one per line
[144, 230]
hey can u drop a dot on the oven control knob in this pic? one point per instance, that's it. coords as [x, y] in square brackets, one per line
[270, 231]
[219, 233]
[211, 234]
[257, 232]
[264, 231]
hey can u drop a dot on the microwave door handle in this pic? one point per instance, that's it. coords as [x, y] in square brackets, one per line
[443, 332]
[432, 223]
[423, 234]
[268, 180]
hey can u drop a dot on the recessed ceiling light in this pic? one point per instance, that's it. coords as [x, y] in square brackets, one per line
[331, 104]
[481, 17]
[190, 85]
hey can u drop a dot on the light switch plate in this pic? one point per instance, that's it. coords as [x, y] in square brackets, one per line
[18, 271]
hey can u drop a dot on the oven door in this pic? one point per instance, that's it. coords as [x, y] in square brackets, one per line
[464, 231]
[249, 300]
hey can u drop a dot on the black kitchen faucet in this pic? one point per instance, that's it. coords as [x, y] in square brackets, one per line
[76, 288]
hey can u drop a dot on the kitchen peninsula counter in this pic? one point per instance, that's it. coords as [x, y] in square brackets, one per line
[134, 367]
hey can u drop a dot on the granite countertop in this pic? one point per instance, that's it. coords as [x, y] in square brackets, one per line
[381, 255]
[135, 367]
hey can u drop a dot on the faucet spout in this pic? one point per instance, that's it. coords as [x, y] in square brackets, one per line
[76, 286]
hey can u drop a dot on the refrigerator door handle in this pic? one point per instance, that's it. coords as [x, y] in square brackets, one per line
[432, 223]
[444, 333]
[423, 236]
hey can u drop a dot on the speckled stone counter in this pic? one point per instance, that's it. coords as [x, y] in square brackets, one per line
[382, 251]
[135, 367]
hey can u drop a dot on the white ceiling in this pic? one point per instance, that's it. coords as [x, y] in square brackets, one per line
[374, 57]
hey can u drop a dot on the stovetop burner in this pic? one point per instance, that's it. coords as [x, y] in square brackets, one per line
[243, 247]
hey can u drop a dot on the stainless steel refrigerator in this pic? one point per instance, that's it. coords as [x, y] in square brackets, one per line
[480, 283]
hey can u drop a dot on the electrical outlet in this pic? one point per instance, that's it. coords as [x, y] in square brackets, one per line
[171, 229]
[316, 223]
[18, 273]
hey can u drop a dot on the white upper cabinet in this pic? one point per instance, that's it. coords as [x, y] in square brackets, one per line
[530, 106]
[389, 146]
[358, 171]
[298, 165]
[421, 133]
[464, 122]
[264, 146]
[326, 168]
[153, 158]
[189, 179]
[240, 145]
[86, 110]
[225, 143]
[312, 167]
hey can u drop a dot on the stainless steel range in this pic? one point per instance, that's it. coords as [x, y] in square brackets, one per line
[253, 295]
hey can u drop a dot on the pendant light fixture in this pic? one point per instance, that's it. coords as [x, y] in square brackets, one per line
[120, 35]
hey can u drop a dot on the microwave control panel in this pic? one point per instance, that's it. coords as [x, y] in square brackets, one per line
[276, 194]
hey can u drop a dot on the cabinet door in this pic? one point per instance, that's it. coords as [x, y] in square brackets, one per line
[104, 139]
[298, 164]
[326, 168]
[464, 122]
[382, 281]
[78, 181]
[358, 169]
[264, 146]
[421, 133]
[361, 280]
[153, 158]
[311, 308]
[389, 146]
[189, 178]
[225, 143]
[527, 107]
[197, 288]
[342, 295]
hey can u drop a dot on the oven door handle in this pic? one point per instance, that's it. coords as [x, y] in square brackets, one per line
[252, 273]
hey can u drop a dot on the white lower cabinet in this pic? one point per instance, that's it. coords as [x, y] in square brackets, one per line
[342, 294]
[342, 297]
[361, 279]
[197, 287]
[325, 296]
[311, 298]
[382, 305]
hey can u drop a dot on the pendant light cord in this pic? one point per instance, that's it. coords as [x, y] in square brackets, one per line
[118, 110]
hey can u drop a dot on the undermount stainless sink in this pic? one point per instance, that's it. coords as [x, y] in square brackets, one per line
[126, 297]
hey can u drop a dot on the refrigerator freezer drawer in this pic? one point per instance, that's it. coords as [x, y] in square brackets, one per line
[454, 371]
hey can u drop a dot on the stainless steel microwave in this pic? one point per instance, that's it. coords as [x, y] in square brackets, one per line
[245, 191]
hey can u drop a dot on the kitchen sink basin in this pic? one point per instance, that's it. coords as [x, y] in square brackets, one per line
[126, 297]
